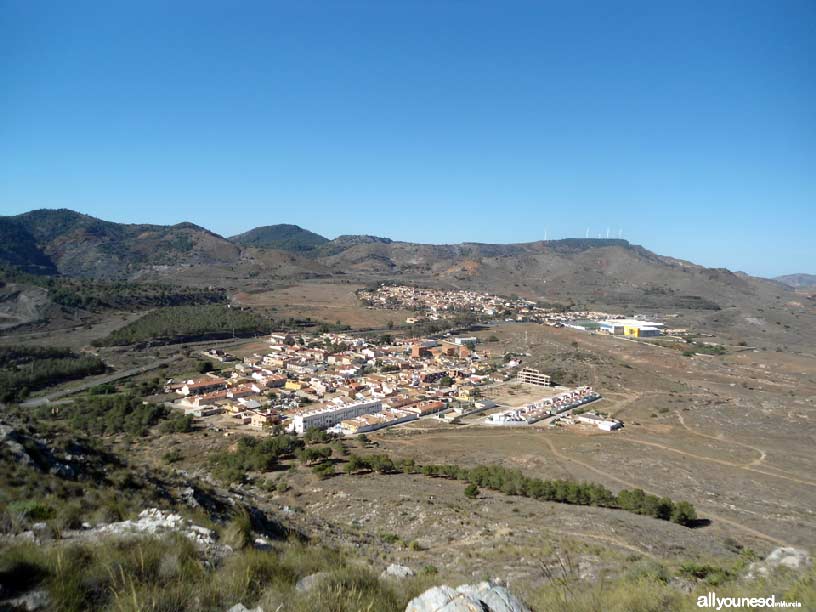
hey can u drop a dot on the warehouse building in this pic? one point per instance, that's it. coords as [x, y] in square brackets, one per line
[632, 327]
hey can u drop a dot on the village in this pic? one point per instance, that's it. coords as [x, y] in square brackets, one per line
[350, 385]
[440, 304]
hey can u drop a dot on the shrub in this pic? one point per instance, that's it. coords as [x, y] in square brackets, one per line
[238, 532]
[471, 491]
[323, 470]
[179, 423]
[32, 510]
[172, 456]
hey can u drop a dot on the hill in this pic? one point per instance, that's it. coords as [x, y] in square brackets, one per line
[80, 245]
[604, 274]
[798, 281]
[282, 236]
[18, 248]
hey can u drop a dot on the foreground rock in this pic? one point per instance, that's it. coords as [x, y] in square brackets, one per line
[788, 557]
[482, 597]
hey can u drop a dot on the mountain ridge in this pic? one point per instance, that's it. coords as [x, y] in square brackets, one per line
[797, 280]
[601, 272]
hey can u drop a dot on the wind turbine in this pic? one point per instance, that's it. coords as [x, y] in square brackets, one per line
[607, 233]
[587, 233]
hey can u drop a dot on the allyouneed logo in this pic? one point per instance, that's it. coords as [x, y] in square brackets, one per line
[718, 603]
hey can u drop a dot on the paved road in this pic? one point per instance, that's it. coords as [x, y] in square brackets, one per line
[45, 399]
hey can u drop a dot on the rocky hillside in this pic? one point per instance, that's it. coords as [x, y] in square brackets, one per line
[18, 248]
[79, 245]
[798, 281]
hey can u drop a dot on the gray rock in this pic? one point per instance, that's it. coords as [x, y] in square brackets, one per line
[33, 600]
[188, 495]
[788, 557]
[482, 597]
[239, 607]
[397, 571]
[307, 583]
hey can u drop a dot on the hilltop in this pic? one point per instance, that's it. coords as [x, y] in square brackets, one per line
[282, 236]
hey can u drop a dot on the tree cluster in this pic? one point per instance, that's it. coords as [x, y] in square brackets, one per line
[112, 414]
[188, 323]
[254, 455]
[513, 482]
[25, 369]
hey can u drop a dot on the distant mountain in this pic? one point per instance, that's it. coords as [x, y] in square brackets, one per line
[79, 245]
[599, 273]
[282, 236]
[798, 281]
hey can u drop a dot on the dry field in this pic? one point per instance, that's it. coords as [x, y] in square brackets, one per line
[330, 302]
[732, 434]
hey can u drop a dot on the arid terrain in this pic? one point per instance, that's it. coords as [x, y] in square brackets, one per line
[718, 411]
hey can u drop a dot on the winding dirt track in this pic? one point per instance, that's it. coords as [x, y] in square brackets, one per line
[738, 466]
[740, 526]
[566, 459]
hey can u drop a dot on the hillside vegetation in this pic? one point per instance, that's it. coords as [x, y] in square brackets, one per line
[95, 295]
[282, 236]
[27, 369]
[81, 245]
[180, 323]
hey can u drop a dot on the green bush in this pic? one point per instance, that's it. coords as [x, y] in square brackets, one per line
[32, 510]
[178, 423]
[253, 455]
[323, 470]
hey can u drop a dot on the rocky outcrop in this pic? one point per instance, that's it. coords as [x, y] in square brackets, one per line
[31, 451]
[787, 557]
[482, 597]
[156, 522]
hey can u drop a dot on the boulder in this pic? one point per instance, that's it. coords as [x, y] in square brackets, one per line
[786, 556]
[307, 583]
[482, 597]
[239, 607]
[397, 571]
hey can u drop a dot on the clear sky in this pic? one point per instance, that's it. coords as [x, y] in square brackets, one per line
[690, 126]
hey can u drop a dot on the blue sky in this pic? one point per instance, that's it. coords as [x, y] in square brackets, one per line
[690, 126]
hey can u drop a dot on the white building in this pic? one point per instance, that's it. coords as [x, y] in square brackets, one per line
[329, 415]
[599, 421]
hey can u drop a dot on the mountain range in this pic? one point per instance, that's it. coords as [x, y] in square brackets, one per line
[602, 272]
